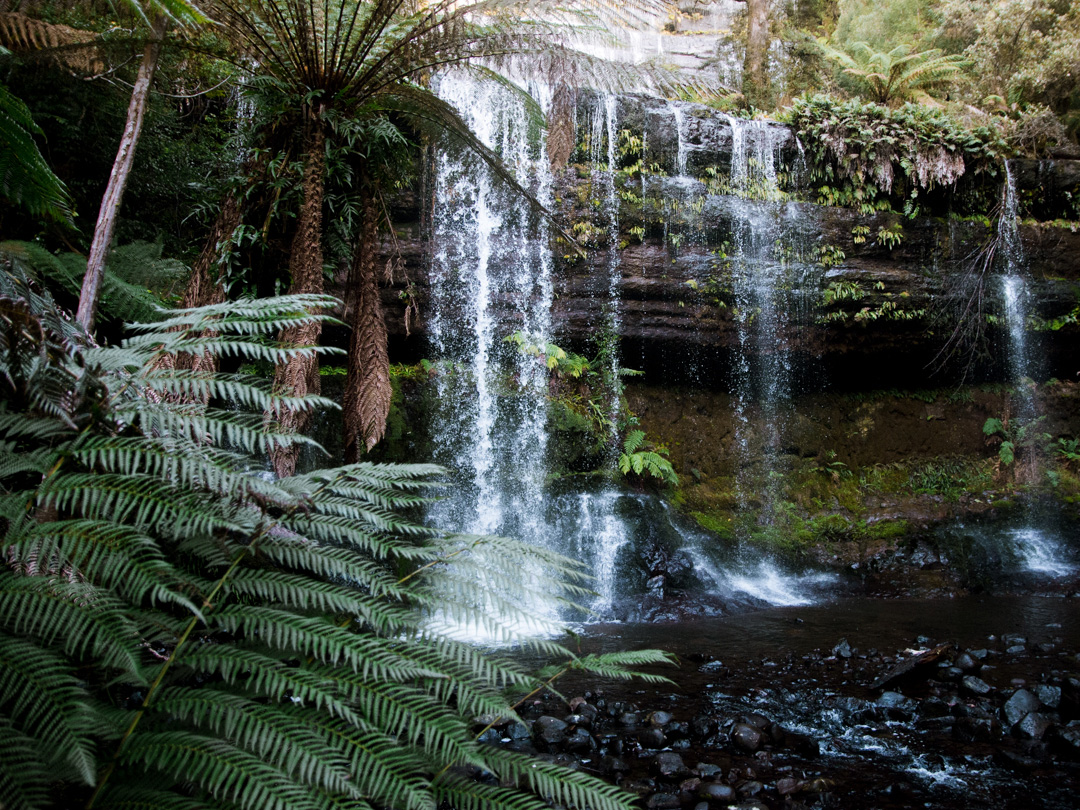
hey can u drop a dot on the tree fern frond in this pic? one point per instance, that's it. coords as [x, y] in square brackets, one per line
[141, 796]
[293, 739]
[76, 617]
[24, 772]
[25, 177]
[462, 794]
[259, 674]
[557, 784]
[214, 764]
[114, 556]
[43, 698]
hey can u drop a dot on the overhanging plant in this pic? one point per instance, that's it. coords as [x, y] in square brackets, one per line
[179, 629]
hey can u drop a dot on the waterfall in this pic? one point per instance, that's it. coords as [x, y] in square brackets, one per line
[763, 364]
[603, 139]
[1015, 296]
[490, 277]
[680, 132]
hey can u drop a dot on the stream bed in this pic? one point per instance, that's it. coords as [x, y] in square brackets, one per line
[856, 702]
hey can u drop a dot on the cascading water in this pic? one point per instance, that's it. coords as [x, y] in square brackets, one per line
[763, 365]
[602, 140]
[491, 276]
[1015, 297]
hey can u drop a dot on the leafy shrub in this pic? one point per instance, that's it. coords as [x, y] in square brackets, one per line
[177, 630]
[864, 154]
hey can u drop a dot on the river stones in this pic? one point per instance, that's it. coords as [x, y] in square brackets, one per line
[550, 731]
[897, 706]
[652, 738]
[663, 801]
[580, 741]
[1049, 696]
[747, 737]
[1034, 726]
[702, 725]
[670, 765]
[1020, 704]
[660, 719]
[977, 686]
[716, 793]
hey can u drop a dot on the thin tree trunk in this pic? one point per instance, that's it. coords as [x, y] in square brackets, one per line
[755, 62]
[300, 375]
[114, 192]
[204, 287]
[367, 387]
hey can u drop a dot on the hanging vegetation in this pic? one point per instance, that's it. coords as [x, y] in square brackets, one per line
[867, 155]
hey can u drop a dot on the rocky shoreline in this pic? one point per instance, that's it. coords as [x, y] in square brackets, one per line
[942, 723]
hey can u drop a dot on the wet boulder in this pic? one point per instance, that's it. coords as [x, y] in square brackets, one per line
[660, 719]
[549, 731]
[670, 765]
[747, 737]
[702, 725]
[1049, 696]
[976, 686]
[896, 706]
[1018, 706]
[580, 741]
[1066, 740]
[716, 793]
[1034, 726]
[652, 738]
[663, 801]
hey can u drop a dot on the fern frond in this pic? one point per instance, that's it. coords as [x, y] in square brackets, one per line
[76, 617]
[43, 696]
[214, 764]
[24, 772]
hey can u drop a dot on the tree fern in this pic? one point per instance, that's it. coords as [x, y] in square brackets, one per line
[176, 630]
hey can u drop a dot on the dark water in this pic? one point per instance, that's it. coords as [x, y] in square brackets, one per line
[790, 665]
[884, 624]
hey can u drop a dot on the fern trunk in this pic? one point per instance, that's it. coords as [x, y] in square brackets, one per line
[367, 387]
[299, 375]
[114, 192]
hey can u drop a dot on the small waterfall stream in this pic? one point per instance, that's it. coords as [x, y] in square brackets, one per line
[764, 364]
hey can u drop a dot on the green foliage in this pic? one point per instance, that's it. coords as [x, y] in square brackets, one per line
[1012, 436]
[868, 156]
[177, 630]
[898, 75]
[840, 301]
[884, 24]
[137, 279]
[1023, 51]
[639, 459]
[25, 177]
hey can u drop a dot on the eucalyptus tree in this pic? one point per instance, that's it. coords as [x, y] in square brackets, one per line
[342, 59]
[156, 15]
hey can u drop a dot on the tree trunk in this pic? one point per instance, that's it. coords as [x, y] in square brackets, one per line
[114, 192]
[300, 375]
[204, 287]
[755, 61]
[367, 386]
